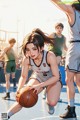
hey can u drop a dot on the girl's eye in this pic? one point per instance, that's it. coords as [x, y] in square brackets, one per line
[34, 48]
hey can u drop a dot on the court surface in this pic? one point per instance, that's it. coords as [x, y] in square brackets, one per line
[39, 111]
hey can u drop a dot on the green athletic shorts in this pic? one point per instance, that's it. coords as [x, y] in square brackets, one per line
[10, 66]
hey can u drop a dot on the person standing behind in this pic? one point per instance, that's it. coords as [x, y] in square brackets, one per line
[59, 42]
[72, 63]
[10, 66]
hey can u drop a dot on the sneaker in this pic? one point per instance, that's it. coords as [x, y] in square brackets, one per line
[50, 109]
[44, 94]
[7, 96]
[70, 113]
[4, 116]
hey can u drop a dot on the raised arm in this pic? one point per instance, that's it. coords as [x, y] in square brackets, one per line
[66, 8]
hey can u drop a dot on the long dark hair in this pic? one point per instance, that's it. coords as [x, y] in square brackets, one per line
[38, 38]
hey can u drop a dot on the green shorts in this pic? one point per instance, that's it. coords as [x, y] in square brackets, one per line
[10, 66]
[57, 52]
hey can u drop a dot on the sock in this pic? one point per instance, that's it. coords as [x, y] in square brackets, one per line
[71, 102]
[10, 114]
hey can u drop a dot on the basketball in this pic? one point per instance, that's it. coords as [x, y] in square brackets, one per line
[27, 98]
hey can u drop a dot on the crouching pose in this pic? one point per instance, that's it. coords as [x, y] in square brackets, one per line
[45, 70]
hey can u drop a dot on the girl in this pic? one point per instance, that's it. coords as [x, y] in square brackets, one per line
[45, 70]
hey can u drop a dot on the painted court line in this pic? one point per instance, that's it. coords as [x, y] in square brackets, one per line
[41, 118]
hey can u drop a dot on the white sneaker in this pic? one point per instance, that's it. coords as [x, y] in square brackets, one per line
[50, 109]
[44, 94]
[4, 116]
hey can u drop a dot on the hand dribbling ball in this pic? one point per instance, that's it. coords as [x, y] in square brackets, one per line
[27, 97]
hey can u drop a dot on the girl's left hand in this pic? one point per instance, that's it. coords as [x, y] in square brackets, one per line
[36, 88]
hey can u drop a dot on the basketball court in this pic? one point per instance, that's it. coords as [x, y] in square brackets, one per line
[39, 111]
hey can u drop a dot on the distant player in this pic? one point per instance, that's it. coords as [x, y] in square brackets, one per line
[10, 66]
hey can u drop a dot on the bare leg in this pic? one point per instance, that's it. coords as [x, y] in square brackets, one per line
[71, 94]
[70, 85]
[7, 77]
[7, 96]
[53, 94]
[16, 107]
[77, 80]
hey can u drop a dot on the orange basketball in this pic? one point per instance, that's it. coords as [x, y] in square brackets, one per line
[27, 98]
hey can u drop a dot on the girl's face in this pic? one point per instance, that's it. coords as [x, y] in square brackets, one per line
[59, 29]
[32, 51]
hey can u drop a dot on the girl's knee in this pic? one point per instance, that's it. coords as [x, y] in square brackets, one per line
[52, 102]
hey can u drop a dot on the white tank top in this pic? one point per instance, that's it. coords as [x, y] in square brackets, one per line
[75, 28]
[43, 67]
[43, 71]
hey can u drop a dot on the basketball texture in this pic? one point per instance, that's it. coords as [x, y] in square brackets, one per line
[27, 98]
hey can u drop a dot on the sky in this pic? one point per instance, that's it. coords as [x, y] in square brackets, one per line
[19, 17]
